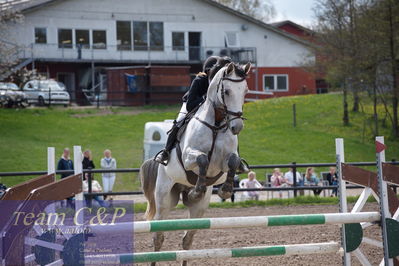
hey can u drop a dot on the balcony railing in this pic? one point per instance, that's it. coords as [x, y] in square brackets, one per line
[134, 53]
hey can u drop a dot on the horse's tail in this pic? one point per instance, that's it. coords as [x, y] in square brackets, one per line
[148, 176]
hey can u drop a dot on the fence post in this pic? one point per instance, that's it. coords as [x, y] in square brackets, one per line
[89, 180]
[294, 114]
[294, 178]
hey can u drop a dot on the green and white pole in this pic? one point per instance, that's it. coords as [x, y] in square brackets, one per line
[287, 250]
[236, 222]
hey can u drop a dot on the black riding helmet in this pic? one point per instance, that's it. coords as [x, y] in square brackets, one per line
[221, 62]
[209, 63]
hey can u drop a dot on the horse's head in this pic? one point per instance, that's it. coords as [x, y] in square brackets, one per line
[228, 89]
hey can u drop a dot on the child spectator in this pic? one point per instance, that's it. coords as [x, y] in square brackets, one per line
[252, 183]
[332, 179]
[108, 163]
[95, 187]
[312, 180]
[277, 180]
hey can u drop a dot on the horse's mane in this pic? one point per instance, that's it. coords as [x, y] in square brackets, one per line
[238, 70]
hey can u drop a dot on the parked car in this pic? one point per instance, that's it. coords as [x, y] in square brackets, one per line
[10, 95]
[43, 92]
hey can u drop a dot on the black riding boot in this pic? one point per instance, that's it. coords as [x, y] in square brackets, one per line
[163, 156]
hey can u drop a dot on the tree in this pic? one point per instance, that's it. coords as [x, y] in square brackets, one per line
[333, 45]
[359, 41]
[260, 9]
[8, 50]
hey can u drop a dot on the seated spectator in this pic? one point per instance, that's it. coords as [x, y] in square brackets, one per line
[3, 189]
[332, 179]
[312, 180]
[95, 187]
[252, 183]
[277, 180]
[289, 178]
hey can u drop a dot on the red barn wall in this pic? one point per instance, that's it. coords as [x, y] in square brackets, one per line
[299, 81]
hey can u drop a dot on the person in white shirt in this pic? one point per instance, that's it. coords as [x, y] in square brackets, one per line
[108, 163]
[251, 182]
[289, 177]
[95, 187]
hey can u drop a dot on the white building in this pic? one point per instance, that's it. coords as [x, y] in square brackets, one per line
[64, 39]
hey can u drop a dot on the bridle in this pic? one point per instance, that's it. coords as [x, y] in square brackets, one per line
[224, 109]
[221, 112]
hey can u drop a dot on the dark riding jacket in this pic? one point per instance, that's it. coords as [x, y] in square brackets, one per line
[198, 89]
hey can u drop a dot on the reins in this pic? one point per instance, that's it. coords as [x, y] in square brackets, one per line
[223, 110]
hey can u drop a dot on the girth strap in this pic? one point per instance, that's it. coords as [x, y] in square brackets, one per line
[191, 176]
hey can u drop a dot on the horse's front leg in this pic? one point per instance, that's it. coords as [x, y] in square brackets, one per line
[226, 190]
[198, 191]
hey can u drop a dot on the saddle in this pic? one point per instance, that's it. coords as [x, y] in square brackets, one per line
[191, 176]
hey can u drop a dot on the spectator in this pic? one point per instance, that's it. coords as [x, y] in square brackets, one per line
[108, 163]
[332, 179]
[252, 183]
[289, 178]
[312, 180]
[277, 180]
[236, 183]
[3, 189]
[95, 187]
[65, 163]
[87, 163]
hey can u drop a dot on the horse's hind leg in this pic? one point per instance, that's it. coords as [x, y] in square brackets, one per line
[200, 187]
[197, 210]
[163, 203]
[226, 190]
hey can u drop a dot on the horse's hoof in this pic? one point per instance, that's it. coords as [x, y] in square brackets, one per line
[225, 192]
[194, 195]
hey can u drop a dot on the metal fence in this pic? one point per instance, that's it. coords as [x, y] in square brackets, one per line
[292, 165]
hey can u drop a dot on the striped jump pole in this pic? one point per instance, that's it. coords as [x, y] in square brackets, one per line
[287, 250]
[236, 222]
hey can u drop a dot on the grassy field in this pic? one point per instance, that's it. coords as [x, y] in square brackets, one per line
[268, 137]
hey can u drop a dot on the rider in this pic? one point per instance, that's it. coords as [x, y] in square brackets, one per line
[192, 99]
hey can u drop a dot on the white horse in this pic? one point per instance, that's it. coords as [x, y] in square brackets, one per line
[207, 150]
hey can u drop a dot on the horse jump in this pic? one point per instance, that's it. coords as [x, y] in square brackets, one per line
[348, 244]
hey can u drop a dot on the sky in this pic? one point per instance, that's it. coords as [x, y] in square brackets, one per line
[298, 11]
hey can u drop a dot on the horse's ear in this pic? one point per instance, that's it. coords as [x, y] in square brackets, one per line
[247, 68]
[230, 68]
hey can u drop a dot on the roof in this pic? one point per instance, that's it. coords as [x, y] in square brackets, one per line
[30, 5]
[285, 22]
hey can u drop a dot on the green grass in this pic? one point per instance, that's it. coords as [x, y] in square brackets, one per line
[301, 200]
[268, 137]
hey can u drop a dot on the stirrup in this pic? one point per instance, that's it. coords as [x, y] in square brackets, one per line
[159, 160]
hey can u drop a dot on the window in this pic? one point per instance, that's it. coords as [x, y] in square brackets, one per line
[140, 35]
[275, 82]
[82, 39]
[156, 36]
[178, 41]
[64, 38]
[231, 39]
[99, 39]
[124, 35]
[40, 35]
